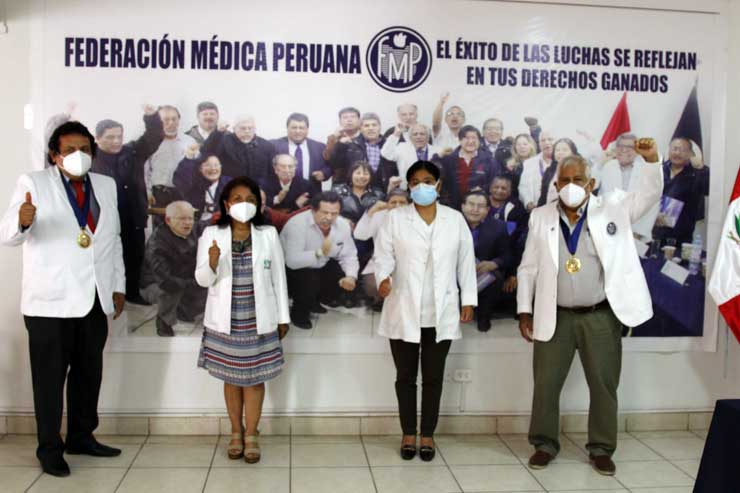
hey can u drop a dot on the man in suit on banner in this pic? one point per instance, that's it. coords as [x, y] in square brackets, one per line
[308, 153]
[580, 266]
[73, 277]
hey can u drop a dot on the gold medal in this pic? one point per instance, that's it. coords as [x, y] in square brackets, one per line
[83, 239]
[572, 265]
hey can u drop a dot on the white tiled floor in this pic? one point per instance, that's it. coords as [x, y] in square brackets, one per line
[647, 462]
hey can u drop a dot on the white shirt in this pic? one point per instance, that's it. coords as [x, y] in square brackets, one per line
[160, 167]
[306, 157]
[428, 312]
[210, 200]
[404, 154]
[302, 238]
[446, 138]
[203, 132]
[531, 182]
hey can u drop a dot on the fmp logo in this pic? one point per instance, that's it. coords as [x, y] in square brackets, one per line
[399, 59]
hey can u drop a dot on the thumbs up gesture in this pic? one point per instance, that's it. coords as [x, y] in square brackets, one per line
[213, 254]
[27, 212]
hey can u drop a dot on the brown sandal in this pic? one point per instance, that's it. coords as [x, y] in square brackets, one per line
[252, 453]
[236, 450]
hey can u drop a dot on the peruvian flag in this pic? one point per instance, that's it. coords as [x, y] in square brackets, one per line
[724, 285]
[619, 124]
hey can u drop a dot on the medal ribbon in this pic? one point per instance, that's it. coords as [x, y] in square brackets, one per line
[571, 239]
[81, 213]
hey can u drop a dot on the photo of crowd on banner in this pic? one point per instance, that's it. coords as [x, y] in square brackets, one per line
[328, 198]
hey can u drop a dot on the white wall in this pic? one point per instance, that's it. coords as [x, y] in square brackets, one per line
[334, 383]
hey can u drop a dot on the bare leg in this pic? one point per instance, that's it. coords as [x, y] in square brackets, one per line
[234, 405]
[253, 398]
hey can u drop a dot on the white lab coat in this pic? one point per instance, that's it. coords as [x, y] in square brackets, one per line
[367, 228]
[404, 154]
[401, 254]
[530, 184]
[268, 276]
[611, 180]
[60, 278]
[624, 280]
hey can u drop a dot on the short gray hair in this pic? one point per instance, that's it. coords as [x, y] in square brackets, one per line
[173, 207]
[370, 116]
[626, 136]
[278, 156]
[574, 160]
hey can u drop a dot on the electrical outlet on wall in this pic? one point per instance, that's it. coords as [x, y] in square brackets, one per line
[463, 375]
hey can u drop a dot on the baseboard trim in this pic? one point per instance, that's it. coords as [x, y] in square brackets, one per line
[362, 425]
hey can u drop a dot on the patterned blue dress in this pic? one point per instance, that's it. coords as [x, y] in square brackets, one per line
[242, 357]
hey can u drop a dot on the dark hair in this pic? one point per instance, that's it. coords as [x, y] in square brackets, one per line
[331, 197]
[240, 181]
[502, 176]
[104, 125]
[568, 142]
[69, 128]
[475, 193]
[468, 128]
[357, 165]
[205, 157]
[297, 117]
[685, 140]
[170, 108]
[206, 105]
[349, 109]
[425, 165]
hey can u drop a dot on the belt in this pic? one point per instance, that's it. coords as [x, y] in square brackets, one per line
[585, 309]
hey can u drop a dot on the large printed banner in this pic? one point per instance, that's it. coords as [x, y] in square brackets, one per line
[182, 97]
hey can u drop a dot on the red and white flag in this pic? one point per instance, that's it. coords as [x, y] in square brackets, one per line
[619, 124]
[724, 285]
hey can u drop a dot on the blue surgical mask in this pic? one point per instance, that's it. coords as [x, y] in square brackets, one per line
[424, 194]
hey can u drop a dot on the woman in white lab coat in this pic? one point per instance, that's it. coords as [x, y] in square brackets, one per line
[240, 261]
[424, 251]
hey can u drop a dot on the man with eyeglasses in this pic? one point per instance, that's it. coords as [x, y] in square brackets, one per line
[446, 134]
[624, 172]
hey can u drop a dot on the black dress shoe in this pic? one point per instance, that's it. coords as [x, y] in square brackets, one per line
[427, 453]
[332, 303]
[137, 300]
[93, 448]
[349, 303]
[317, 308]
[55, 466]
[164, 329]
[408, 452]
[484, 325]
[301, 323]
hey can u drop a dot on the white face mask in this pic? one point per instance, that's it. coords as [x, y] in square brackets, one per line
[242, 211]
[572, 195]
[77, 164]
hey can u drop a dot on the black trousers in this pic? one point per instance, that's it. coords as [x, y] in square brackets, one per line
[302, 284]
[489, 298]
[132, 239]
[68, 349]
[406, 358]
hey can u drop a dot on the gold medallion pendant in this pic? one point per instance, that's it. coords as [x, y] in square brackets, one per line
[83, 239]
[572, 265]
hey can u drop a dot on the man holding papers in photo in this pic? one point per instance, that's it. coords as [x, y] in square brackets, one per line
[580, 266]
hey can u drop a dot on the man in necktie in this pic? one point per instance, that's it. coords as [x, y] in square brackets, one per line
[308, 153]
[73, 277]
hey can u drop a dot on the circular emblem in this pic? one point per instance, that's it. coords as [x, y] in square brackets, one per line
[399, 59]
[611, 228]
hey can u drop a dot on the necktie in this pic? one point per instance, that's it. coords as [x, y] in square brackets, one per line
[80, 196]
[299, 161]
